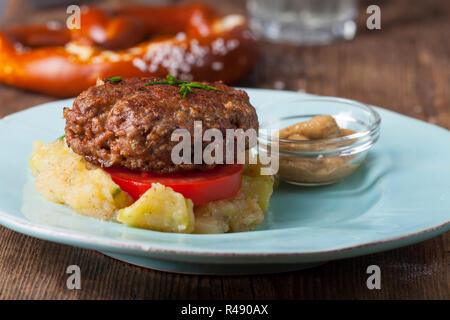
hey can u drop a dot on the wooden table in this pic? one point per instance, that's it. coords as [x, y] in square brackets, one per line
[403, 67]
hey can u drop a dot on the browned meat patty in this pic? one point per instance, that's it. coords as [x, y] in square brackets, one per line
[130, 125]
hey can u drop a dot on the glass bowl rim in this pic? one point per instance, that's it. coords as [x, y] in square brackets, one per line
[373, 126]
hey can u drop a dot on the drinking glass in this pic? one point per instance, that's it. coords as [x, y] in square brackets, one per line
[303, 21]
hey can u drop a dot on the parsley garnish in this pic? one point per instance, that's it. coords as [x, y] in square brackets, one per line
[115, 79]
[116, 192]
[185, 86]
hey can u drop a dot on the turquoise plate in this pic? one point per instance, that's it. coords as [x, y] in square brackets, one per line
[400, 196]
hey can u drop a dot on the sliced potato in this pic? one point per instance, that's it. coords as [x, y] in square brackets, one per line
[241, 213]
[63, 176]
[162, 209]
[233, 215]
[259, 188]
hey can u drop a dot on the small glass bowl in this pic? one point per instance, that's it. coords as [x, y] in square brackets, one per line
[326, 161]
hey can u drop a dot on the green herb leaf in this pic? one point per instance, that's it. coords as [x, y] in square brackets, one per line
[172, 80]
[116, 192]
[185, 86]
[115, 79]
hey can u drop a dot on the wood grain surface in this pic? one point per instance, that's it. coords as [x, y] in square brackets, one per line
[404, 67]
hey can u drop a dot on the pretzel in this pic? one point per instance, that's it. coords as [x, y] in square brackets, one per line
[191, 42]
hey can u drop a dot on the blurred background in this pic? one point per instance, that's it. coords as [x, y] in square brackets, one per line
[316, 46]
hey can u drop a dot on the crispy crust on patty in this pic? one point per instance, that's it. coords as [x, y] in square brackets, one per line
[130, 125]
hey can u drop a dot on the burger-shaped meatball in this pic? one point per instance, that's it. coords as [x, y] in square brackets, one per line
[130, 124]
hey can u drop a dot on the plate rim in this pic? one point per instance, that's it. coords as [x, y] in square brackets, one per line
[60, 235]
[16, 224]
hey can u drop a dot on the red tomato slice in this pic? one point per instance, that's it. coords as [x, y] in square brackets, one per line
[201, 187]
